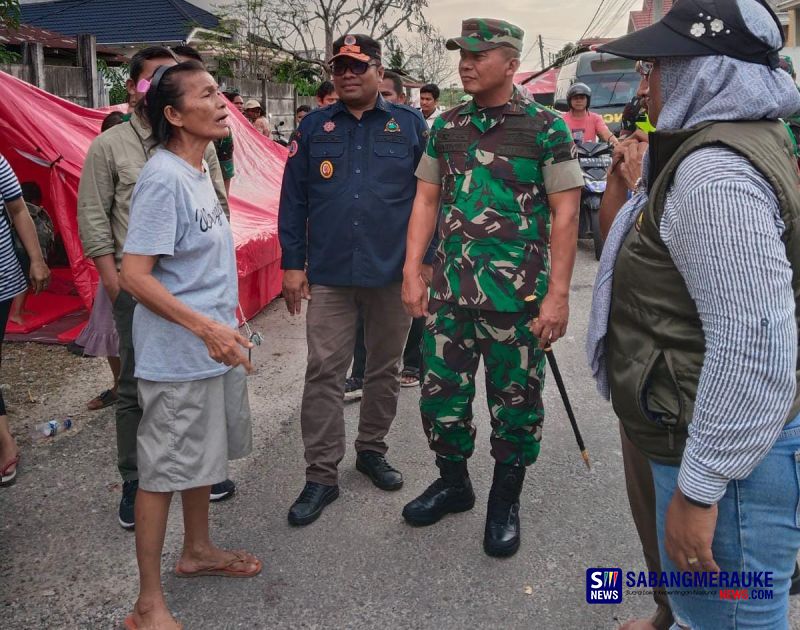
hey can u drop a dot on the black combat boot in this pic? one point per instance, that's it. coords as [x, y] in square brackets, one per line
[451, 493]
[501, 536]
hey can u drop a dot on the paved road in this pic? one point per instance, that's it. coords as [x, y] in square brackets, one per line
[65, 563]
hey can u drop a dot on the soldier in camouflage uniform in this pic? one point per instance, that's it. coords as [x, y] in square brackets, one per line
[498, 164]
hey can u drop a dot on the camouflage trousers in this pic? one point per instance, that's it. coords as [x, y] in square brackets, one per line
[454, 341]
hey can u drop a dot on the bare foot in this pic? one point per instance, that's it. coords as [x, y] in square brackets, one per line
[19, 318]
[8, 453]
[220, 561]
[154, 615]
[637, 624]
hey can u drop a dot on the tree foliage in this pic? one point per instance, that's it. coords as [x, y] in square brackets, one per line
[306, 30]
[9, 13]
[115, 79]
[567, 50]
[428, 59]
[305, 76]
[9, 17]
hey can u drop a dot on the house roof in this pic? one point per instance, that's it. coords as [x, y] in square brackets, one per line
[644, 18]
[120, 21]
[25, 33]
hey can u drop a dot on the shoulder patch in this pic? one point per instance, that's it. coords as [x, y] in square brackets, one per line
[293, 147]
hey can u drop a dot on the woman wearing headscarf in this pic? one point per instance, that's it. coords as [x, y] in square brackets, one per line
[694, 330]
[179, 264]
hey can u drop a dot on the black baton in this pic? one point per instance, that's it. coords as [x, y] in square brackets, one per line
[551, 359]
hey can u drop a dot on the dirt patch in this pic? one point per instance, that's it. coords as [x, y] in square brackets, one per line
[43, 382]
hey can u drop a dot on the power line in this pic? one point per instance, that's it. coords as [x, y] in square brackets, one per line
[594, 17]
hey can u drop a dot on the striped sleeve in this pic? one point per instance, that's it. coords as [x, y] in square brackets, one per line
[723, 229]
[9, 184]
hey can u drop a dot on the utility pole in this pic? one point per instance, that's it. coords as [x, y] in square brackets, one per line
[541, 50]
[658, 10]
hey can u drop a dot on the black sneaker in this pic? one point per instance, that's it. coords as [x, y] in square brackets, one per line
[794, 589]
[127, 503]
[353, 388]
[375, 466]
[222, 491]
[312, 500]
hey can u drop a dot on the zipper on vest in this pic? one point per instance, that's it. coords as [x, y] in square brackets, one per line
[670, 438]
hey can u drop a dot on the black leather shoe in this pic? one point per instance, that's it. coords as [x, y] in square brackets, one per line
[502, 534]
[375, 466]
[447, 495]
[312, 500]
[794, 589]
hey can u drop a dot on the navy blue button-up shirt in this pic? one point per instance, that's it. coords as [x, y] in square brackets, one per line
[347, 193]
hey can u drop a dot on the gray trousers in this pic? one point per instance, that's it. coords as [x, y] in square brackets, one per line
[129, 413]
[330, 331]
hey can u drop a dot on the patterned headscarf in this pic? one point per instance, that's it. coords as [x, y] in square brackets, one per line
[702, 89]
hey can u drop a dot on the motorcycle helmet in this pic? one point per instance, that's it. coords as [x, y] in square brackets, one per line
[579, 89]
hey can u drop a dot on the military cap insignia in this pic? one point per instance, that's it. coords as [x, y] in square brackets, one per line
[350, 40]
[326, 169]
[392, 126]
[329, 126]
[293, 148]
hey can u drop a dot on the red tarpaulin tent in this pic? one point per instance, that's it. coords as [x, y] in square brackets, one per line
[543, 84]
[45, 139]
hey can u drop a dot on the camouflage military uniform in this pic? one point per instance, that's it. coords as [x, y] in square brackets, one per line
[496, 167]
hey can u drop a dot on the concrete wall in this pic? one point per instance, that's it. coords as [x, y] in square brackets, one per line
[277, 99]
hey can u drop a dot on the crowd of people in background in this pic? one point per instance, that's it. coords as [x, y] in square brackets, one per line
[426, 241]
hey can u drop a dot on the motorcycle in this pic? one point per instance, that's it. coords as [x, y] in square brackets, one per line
[594, 159]
[277, 135]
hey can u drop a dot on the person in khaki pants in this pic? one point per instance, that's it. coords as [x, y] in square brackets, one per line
[345, 202]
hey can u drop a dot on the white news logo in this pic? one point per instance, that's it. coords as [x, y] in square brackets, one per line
[604, 586]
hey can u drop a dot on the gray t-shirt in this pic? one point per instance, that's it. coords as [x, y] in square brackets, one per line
[176, 215]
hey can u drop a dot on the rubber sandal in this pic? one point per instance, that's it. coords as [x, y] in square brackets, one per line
[225, 570]
[6, 478]
[105, 399]
[410, 374]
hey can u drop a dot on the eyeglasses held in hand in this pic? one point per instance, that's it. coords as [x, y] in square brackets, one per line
[340, 66]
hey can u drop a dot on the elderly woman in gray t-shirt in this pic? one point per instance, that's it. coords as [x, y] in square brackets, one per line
[179, 264]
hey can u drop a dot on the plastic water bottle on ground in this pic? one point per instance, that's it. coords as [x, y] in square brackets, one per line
[50, 428]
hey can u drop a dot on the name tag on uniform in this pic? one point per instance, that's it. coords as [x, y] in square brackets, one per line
[451, 140]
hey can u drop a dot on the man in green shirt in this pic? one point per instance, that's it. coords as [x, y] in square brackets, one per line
[499, 164]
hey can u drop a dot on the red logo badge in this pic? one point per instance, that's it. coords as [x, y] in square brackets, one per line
[329, 126]
[293, 148]
[326, 169]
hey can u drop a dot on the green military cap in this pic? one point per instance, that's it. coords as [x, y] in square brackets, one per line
[479, 34]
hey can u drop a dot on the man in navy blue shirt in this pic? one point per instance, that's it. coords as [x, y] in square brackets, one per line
[346, 199]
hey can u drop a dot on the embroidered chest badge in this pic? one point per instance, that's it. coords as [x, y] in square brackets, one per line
[392, 126]
[326, 169]
[329, 126]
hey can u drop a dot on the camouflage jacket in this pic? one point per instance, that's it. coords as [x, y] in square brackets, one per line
[496, 167]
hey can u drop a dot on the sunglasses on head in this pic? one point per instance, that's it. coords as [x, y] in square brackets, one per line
[343, 64]
[644, 68]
